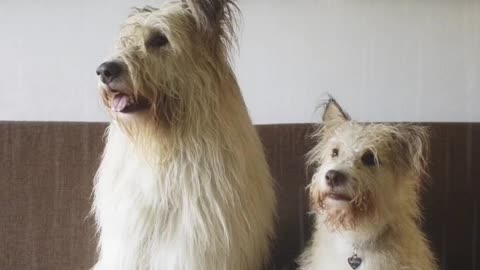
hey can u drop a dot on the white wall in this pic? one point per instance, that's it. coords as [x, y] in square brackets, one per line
[384, 60]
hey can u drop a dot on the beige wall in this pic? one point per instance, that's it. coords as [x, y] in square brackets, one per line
[387, 60]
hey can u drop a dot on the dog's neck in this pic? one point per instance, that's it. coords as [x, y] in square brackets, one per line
[357, 239]
[368, 237]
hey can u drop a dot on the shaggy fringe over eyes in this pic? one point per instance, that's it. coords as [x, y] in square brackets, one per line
[409, 142]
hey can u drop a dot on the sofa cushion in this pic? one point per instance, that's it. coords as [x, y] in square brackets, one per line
[46, 172]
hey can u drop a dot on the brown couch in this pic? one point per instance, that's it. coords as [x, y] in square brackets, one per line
[46, 172]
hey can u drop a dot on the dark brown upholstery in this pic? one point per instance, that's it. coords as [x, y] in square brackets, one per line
[46, 172]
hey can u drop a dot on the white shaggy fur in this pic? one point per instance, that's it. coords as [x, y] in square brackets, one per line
[183, 184]
[375, 212]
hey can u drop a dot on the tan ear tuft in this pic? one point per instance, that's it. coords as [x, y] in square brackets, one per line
[212, 15]
[333, 112]
[417, 147]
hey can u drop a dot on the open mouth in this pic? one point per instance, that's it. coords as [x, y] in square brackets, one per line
[338, 197]
[124, 103]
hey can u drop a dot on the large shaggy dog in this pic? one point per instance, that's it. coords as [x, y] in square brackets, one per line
[183, 184]
[365, 192]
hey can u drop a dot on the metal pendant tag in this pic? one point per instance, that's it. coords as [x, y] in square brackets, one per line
[354, 261]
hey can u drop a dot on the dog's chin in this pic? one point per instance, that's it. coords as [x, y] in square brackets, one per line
[340, 210]
[334, 200]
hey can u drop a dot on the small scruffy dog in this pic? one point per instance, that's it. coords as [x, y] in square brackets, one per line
[183, 184]
[365, 193]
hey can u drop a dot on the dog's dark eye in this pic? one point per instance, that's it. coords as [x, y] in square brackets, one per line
[334, 152]
[368, 159]
[157, 40]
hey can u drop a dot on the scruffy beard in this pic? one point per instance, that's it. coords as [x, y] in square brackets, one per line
[346, 217]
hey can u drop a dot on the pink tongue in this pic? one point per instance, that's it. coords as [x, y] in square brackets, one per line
[119, 102]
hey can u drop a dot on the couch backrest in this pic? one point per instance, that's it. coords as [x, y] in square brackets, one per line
[46, 172]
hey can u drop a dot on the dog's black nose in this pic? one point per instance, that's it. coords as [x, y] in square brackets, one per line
[108, 71]
[335, 178]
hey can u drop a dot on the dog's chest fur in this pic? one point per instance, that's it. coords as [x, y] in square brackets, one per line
[400, 249]
[133, 209]
[178, 216]
[332, 250]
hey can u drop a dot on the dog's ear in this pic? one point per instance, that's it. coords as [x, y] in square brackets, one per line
[416, 146]
[333, 112]
[213, 16]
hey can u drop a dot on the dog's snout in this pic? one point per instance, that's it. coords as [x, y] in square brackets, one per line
[335, 178]
[108, 71]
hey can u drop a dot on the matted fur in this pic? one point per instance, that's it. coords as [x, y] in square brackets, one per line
[183, 184]
[381, 221]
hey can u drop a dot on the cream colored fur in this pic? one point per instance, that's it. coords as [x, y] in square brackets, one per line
[381, 220]
[183, 184]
